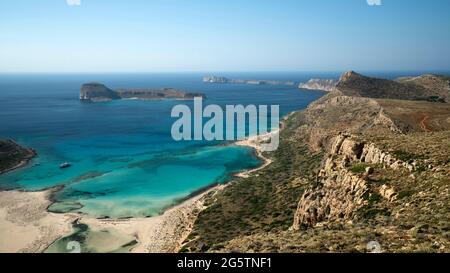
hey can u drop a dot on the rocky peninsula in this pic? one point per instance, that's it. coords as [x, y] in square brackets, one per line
[14, 156]
[223, 80]
[368, 162]
[319, 84]
[97, 92]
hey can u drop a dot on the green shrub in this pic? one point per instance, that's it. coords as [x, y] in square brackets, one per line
[404, 194]
[358, 168]
[406, 157]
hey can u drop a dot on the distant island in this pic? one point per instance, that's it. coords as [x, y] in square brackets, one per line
[313, 84]
[97, 92]
[215, 79]
[319, 84]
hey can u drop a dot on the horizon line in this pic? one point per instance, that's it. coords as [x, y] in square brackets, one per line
[228, 71]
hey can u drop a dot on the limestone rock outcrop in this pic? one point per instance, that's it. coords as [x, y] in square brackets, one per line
[339, 193]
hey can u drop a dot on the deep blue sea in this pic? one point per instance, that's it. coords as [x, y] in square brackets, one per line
[124, 161]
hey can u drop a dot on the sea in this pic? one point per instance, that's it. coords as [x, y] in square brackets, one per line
[124, 161]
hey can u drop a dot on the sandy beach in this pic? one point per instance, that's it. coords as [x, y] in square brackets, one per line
[255, 143]
[159, 234]
[27, 226]
[167, 232]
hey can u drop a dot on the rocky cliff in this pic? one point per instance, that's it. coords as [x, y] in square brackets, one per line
[319, 84]
[342, 187]
[356, 166]
[13, 156]
[97, 92]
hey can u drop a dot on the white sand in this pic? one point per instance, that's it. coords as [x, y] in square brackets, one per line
[25, 224]
[160, 234]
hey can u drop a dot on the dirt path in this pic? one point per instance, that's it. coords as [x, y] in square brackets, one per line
[424, 125]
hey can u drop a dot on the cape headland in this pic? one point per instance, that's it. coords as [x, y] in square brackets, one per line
[319, 84]
[224, 80]
[13, 156]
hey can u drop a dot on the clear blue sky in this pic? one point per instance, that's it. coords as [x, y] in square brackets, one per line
[223, 35]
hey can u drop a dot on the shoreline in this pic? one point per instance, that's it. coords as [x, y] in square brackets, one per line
[254, 142]
[164, 233]
[24, 162]
[25, 224]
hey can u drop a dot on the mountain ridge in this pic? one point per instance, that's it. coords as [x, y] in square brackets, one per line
[350, 169]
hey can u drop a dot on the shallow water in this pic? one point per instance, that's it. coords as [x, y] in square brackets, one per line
[124, 161]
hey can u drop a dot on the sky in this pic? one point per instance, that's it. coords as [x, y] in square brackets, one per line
[224, 35]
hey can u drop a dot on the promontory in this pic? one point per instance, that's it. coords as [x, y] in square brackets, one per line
[13, 156]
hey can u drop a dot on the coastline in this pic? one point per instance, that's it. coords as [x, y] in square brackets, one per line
[254, 142]
[31, 153]
[25, 215]
[25, 224]
[166, 233]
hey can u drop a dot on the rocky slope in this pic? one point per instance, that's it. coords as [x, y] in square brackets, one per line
[13, 156]
[441, 84]
[319, 84]
[354, 84]
[350, 169]
[97, 92]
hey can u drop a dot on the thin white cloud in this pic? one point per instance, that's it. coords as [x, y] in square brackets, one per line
[73, 2]
[374, 2]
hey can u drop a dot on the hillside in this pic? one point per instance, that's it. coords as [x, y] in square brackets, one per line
[441, 84]
[13, 156]
[349, 170]
[354, 84]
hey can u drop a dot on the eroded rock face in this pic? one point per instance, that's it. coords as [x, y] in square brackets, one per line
[339, 193]
[319, 84]
[388, 193]
[340, 196]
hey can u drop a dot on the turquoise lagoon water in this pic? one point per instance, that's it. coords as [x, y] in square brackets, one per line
[125, 163]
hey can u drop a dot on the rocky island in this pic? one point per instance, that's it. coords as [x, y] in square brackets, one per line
[223, 80]
[97, 92]
[319, 84]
